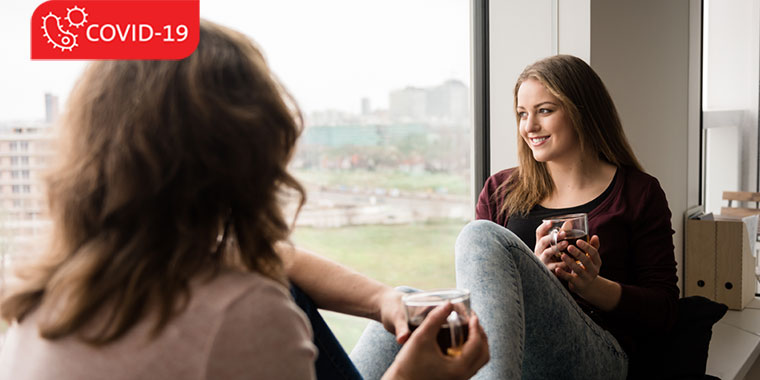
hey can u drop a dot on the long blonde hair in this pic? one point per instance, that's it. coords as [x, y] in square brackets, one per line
[594, 118]
[159, 157]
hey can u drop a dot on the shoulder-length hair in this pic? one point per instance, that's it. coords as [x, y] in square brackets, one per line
[594, 118]
[158, 158]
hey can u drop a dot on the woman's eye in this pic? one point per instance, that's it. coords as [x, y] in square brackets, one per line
[522, 114]
[544, 110]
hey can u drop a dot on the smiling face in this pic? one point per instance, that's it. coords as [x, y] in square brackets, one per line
[545, 125]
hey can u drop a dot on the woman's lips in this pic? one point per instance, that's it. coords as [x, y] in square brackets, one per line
[537, 141]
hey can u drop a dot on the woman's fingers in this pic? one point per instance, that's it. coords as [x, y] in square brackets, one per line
[544, 239]
[594, 242]
[433, 321]
[547, 251]
[591, 251]
[476, 349]
[542, 230]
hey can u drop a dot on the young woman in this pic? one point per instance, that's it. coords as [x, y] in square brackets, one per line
[580, 316]
[170, 257]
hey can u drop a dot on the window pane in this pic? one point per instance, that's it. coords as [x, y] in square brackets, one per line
[731, 57]
[385, 156]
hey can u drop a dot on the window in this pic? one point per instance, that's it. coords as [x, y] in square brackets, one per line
[731, 55]
[385, 155]
[19, 160]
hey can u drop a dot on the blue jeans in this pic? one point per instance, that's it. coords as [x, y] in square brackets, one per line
[332, 361]
[373, 353]
[535, 329]
[376, 348]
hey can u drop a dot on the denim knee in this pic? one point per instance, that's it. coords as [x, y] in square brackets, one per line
[483, 237]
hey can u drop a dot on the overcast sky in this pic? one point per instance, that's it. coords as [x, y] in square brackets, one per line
[329, 53]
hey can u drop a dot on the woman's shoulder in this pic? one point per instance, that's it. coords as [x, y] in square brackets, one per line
[496, 179]
[639, 182]
[503, 175]
[228, 287]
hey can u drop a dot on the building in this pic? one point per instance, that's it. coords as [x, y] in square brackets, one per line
[447, 103]
[51, 108]
[366, 106]
[26, 151]
[408, 104]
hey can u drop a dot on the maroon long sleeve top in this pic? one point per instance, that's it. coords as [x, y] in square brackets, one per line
[636, 248]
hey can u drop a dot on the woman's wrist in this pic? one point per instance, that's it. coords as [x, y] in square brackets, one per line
[602, 293]
[382, 297]
[393, 373]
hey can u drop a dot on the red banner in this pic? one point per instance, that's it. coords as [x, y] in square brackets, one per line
[106, 29]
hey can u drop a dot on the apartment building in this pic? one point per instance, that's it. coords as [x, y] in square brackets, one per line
[25, 153]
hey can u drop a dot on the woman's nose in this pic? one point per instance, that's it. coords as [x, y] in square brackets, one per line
[531, 123]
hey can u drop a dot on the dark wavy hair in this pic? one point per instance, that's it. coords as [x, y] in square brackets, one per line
[594, 118]
[157, 159]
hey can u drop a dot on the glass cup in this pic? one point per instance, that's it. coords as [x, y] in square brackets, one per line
[454, 332]
[575, 227]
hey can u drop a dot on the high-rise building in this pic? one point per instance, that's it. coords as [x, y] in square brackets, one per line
[408, 104]
[447, 102]
[366, 107]
[26, 151]
[51, 108]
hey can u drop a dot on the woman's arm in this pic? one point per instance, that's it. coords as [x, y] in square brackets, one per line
[648, 300]
[335, 287]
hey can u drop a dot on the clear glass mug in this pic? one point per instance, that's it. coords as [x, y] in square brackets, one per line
[454, 332]
[575, 227]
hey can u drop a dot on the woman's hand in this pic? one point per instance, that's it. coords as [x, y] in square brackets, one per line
[583, 262]
[393, 315]
[421, 358]
[547, 252]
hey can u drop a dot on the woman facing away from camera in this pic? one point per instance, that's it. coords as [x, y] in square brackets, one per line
[170, 257]
[582, 316]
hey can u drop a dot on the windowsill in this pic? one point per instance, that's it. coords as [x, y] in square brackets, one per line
[735, 344]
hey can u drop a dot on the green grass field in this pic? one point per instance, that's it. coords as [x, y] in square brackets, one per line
[403, 181]
[417, 255]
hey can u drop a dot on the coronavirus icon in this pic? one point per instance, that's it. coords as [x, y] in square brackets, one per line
[55, 33]
[77, 17]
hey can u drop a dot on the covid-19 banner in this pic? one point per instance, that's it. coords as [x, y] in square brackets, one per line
[119, 29]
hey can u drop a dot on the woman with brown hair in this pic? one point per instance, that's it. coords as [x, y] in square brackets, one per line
[582, 314]
[170, 257]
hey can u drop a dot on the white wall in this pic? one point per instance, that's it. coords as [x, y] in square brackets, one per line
[520, 34]
[641, 50]
[574, 27]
